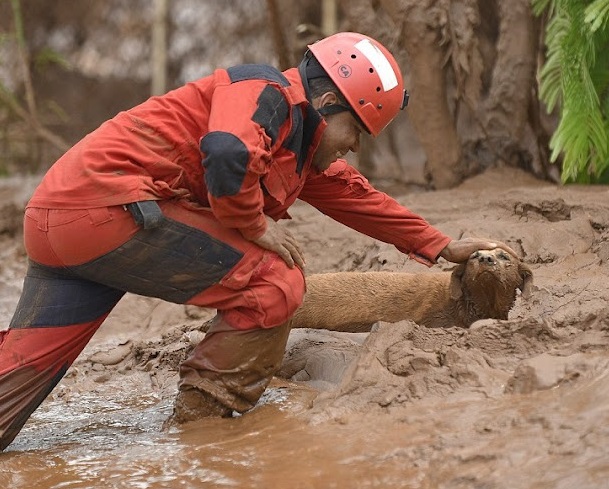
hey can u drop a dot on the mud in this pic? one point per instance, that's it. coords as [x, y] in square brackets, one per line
[517, 403]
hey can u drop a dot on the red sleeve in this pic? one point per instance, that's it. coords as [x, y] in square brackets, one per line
[344, 194]
[236, 152]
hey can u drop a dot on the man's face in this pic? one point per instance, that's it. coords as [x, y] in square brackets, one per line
[341, 136]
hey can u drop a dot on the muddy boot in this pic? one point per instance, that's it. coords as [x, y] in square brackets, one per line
[228, 371]
[192, 404]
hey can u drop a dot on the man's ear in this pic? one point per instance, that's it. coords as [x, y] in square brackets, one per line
[328, 98]
[526, 274]
[456, 278]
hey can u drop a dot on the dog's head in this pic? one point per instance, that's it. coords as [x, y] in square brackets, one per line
[489, 279]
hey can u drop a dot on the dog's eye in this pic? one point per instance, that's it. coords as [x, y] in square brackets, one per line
[474, 255]
[503, 256]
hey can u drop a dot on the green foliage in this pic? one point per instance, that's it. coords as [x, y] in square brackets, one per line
[575, 78]
[47, 56]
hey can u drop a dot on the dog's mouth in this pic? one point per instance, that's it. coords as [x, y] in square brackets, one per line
[485, 269]
[488, 273]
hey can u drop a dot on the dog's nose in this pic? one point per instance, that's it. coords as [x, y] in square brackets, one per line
[486, 259]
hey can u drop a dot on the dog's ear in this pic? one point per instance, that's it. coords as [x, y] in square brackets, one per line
[455, 282]
[526, 274]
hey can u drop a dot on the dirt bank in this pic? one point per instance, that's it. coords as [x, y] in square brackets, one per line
[506, 404]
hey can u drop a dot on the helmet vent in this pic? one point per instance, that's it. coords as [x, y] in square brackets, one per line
[378, 89]
[371, 70]
[353, 56]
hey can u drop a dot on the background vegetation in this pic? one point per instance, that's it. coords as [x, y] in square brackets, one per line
[493, 83]
[575, 78]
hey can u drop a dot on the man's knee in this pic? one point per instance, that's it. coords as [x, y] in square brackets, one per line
[276, 293]
[285, 296]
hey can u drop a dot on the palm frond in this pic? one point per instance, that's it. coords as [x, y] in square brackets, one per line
[575, 77]
[597, 15]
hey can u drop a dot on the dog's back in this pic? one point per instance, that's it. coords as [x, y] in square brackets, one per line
[483, 287]
[354, 301]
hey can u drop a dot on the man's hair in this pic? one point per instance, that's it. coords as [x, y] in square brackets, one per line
[321, 85]
[320, 82]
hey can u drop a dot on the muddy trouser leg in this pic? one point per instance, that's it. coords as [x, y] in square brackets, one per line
[232, 367]
[55, 318]
[254, 291]
[185, 256]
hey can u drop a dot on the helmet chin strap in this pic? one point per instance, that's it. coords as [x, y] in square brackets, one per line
[337, 108]
[334, 109]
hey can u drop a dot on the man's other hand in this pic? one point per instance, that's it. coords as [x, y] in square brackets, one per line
[278, 239]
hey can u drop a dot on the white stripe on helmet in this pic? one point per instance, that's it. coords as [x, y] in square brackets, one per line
[379, 62]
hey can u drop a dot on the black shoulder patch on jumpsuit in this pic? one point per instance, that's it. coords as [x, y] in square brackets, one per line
[226, 156]
[272, 111]
[225, 163]
[257, 72]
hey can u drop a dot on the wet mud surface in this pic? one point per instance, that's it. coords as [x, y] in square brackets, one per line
[520, 403]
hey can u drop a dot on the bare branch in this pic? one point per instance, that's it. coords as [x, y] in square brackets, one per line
[24, 57]
[279, 38]
[11, 102]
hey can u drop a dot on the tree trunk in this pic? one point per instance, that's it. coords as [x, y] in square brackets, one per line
[328, 17]
[282, 47]
[470, 66]
[429, 111]
[159, 48]
[511, 128]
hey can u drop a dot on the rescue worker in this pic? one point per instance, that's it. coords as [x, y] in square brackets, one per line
[179, 198]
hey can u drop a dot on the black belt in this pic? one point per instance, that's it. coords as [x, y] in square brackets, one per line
[146, 213]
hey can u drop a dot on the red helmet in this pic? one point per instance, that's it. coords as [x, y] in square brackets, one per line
[367, 75]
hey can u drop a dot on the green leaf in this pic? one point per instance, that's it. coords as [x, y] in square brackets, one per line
[575, 78]
[47, 56]
[597, 15]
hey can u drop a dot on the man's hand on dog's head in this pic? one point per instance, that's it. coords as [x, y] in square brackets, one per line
[458, 251]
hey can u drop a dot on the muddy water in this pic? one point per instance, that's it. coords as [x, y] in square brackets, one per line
[551, 439]
[91, 442]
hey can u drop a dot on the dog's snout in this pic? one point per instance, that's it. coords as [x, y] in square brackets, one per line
[486, 259]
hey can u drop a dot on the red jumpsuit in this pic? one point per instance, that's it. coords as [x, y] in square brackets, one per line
[205, 163]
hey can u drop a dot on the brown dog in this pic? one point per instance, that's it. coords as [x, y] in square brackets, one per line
[483, 287]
